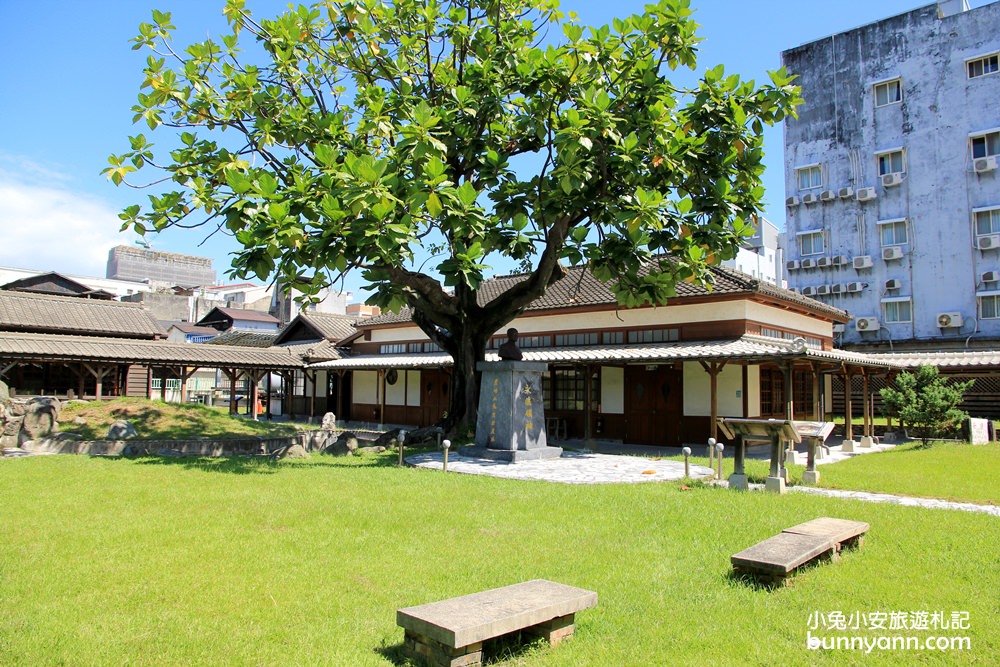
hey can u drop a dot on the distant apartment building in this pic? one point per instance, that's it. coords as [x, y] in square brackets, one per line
[891, 178]
[159, 269]
[761, 258]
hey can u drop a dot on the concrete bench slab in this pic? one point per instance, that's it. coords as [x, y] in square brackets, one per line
[842, 531]
[451, 632]
[777, 557]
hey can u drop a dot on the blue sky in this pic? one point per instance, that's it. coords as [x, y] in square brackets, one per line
[70, 78]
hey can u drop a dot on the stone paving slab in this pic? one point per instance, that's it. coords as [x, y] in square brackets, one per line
[571, 468]
[929, 503]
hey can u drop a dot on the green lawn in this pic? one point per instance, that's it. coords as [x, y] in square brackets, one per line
[945, 470]
[152, 562]
[156, 420]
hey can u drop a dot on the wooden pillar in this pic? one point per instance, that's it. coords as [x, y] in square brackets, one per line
[588, 403]
[817, 409]
[79, 374]
[789, 394]
[713, 369]
[163, 384]
[268, 402]
[866, 412]
[289, 378]
[99, 372]
[312, 395]
[381, 386]
[253, 376]
[848, 426]
[149, 382]
[231, 375]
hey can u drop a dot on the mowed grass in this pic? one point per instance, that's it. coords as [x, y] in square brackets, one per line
[945, 470]
[157, 420]
[247, 562]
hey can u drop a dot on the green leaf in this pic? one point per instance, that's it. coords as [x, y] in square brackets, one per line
[434, 205]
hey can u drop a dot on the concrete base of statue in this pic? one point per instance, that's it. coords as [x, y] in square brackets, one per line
[511, 424]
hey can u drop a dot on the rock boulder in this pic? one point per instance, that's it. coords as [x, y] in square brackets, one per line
[40, 419]
[121, 430]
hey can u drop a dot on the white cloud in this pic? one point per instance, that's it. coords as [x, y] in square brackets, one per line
[50, 227]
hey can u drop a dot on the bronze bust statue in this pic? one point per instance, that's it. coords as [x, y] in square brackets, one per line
[509, 351]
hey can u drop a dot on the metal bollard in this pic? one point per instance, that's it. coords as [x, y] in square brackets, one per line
[402, 439]
[718, 448]
[447, 445]
[687, 462]
[711, 452]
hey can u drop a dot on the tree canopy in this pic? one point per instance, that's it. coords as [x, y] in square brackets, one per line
[423, 141]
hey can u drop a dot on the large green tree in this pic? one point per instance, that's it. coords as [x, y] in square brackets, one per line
[421, 141]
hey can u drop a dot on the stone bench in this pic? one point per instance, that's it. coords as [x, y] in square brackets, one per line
[451, 633]
[774, 559]
[844, 533]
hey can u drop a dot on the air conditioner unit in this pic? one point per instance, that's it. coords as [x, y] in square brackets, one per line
[792, 201]
[809, 199]
[892, 283]
[823, 290]
[839, 328]
[892, 252]
[795, 290]
[984, 164]
[988, 242]
[855, 287]
[808, 291]
[866, 324]
[792, 265]
[838, 288]
[828, 195]
[808, 264]
[891, 180]
[839, 260]
[846, 193]
[949, 320]
[824, 262]
[865, 194]
[990, 276]
[863, 262]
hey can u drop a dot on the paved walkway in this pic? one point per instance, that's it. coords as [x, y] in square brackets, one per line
[593, 468]
[572, 468]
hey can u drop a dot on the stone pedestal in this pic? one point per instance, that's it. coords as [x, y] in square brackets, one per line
[738, 482]
[848, 446]
[867, 442]
[511, 424]
[775, 484]
[810, 477]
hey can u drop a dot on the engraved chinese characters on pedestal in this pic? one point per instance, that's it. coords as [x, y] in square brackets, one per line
[511, 425]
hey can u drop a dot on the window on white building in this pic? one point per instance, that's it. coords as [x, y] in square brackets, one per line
[987, 222]
[989, 306]
[893, 232]
[888, 92]
[898, 310]
[810, 177]
[891, 162]
[982, 66]
[811, 243]
[986, 144]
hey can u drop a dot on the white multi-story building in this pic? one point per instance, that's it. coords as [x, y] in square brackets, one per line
[892, 185]
[761, 258]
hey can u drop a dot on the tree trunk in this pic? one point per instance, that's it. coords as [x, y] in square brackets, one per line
[463, 410]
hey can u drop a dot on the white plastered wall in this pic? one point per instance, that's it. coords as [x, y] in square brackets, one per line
[698, 391]
[612, 390]
[365, 387]
[753, 391]
[413, 388]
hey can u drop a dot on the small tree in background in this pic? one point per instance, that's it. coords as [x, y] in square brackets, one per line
[927, 402]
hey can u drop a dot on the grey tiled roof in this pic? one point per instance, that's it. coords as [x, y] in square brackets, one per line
[580, 288]
[22, 311]
[332, 327]
[243, 338]
[49, 347]
[745, 348]
[943, 360]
